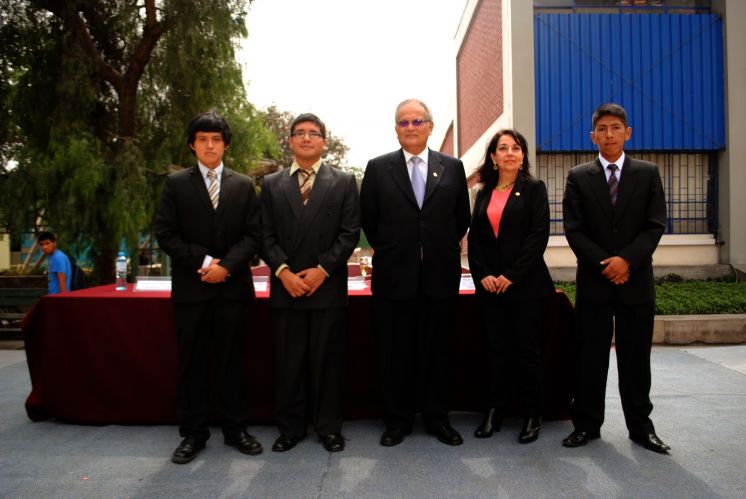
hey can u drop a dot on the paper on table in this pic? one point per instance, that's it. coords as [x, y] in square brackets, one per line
[356, 283]
[153, 284]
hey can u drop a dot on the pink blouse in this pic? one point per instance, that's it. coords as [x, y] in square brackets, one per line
[496, 207]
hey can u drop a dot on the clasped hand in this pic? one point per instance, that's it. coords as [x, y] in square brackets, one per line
[496, 285]
[616, 270]
[304, 283]
[213, 273]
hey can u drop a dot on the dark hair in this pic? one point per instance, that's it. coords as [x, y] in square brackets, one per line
[208, 122]
[609, 109]
[487, 174]
[46, 236]
[308, 118]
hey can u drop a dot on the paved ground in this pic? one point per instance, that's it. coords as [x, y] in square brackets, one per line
[700, 401]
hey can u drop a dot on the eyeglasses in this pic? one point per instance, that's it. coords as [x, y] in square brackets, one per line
[415, 123]
[299, 134]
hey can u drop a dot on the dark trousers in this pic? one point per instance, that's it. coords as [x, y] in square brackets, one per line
[633, 326]
[220, 326]
[309, 359]
[414, 340]
[511, 332]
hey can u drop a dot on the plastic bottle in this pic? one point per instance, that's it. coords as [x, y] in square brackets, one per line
[121, 272]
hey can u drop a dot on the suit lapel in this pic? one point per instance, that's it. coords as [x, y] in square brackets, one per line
[434, 174]
[291, 190]
[200, 190]
[321, 185]
[600, 188]
[515, 195]
[398, 170]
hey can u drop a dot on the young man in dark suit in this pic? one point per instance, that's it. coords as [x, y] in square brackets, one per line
[208, 223]
[310, 227]
[415, 210]
[614, 216]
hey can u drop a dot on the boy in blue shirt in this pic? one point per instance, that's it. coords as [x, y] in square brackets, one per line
[60, 270]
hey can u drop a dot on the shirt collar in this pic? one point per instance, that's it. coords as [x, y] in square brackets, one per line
[203, 170]
[315, 167]
[619, 162]
[423, 156]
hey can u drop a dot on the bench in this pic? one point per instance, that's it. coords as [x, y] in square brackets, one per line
[14, 303]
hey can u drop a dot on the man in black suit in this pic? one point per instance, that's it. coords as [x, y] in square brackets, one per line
[208, 223]
[310, 227]
[415, 210]
[614, 216]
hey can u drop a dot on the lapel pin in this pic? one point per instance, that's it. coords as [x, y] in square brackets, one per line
[435, 174]
[517, 193]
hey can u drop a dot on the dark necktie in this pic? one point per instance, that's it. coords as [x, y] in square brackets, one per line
[305, 186]
[613, 184]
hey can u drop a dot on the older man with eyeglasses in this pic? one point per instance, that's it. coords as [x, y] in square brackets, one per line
[415, 210]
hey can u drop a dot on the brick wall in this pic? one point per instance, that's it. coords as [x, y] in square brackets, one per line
[447, 146]
[480, 74]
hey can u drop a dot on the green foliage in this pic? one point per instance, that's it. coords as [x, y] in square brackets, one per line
[88, 131]
[678, 297]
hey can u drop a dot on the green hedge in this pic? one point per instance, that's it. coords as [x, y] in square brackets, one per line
[690, 297]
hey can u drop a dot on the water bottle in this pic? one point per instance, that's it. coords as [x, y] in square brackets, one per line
[121, 272]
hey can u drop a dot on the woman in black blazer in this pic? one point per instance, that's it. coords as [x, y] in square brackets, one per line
[508, 235]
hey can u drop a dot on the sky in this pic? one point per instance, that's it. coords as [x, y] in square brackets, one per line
[351, 62]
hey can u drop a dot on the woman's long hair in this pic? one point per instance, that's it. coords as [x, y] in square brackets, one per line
[487, 173]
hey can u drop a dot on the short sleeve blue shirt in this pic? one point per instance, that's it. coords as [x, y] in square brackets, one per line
[59, 263]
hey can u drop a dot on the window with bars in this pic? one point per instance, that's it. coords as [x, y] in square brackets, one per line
[689, 182]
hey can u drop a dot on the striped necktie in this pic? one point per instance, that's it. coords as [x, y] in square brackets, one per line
[214, 190]
[613, 184]
[305, 186]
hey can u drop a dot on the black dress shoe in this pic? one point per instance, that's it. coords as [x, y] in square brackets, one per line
[394, 436]
[530, 430]
[245, 443]
[579, 438]
[493, 420]
[333, 442]
[187, 450]
[651, 442]
[285, 443]
[447, 435]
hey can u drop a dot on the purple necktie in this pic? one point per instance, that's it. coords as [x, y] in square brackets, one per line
[613, 184]
[418, 181]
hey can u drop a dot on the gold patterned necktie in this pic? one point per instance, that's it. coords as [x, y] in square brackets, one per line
[214, 190]
[305, 186]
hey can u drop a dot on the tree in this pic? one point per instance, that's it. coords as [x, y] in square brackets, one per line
[96, 98]
[278, 122]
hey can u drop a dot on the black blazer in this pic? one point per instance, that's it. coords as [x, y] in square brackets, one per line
[596, 230]
[518, 251]
[415, 249]
[323, 232]
[188, 228]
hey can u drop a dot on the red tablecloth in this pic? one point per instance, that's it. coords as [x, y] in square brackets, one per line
[100, 356]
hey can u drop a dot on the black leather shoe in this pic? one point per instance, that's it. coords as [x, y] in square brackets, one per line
[187, 450]
[393, 436]
[530, 430]
[285, 443]
[651, 442]
[493, 420]
[579, 438]
[245, 443]
[447, 435]
[333, 442]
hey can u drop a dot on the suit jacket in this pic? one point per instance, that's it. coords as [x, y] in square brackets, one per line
[188, 228]
[416, 250]
[324, 232]
[518, 251]
[596, 230]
